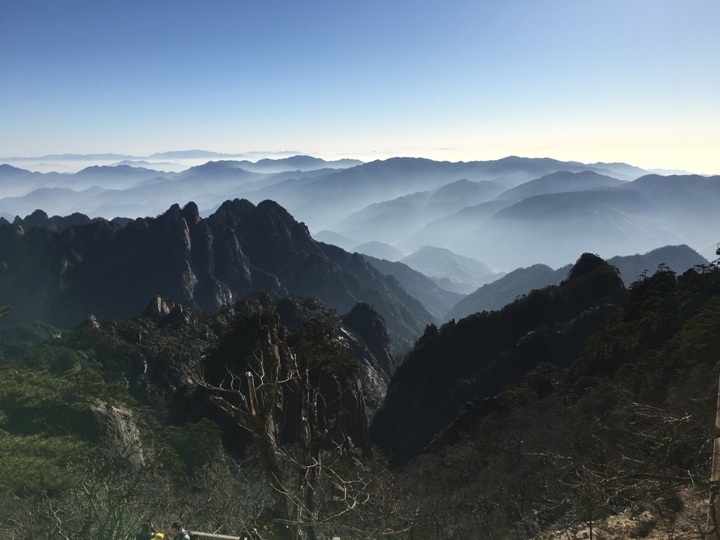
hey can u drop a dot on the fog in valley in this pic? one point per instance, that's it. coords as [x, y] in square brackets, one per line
[501, 214]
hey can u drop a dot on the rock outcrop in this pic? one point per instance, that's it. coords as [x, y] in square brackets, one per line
[156, 309]
[117, 425]
[362, 330]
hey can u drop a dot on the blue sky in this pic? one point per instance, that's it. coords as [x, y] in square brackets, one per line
[590, 80]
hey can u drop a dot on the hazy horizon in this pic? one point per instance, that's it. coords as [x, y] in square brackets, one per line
[590, 81]
[475, 209]
[71, 163]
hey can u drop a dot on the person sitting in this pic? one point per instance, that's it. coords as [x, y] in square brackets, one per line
[177, 532]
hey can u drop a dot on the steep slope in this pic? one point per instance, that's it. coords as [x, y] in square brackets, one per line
[361, 332]
[481, 354]
[614, 443]
[435, 299]
[108, 270]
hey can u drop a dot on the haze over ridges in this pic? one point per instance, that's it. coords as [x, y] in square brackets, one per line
[504, 213]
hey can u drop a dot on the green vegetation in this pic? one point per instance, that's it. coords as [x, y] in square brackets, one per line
[602, 404]
[625, 427]
[36, 463]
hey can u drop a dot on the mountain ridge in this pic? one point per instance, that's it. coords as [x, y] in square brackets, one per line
[111, 269]
[519, 282]
[411, 202]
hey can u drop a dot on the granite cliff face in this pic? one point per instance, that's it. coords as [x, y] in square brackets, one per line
[61, 271]
[366, 334]
[362, 331]
[311, 354]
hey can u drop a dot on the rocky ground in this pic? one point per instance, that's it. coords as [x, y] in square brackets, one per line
[653, 521]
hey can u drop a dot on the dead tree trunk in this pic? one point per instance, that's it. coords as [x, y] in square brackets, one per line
[257, 414]
[292, 406]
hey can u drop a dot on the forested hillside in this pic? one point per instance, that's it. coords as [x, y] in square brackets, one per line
[603, 413]
[574, 406]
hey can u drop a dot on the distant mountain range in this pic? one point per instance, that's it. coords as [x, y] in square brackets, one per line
[573, 383]
[504, 214]
[502, 289]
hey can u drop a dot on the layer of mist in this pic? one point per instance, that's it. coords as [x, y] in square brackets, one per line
[502, 214]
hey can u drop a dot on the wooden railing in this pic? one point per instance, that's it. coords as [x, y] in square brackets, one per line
[213, 536]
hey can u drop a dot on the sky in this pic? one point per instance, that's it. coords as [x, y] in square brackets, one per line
[588, 80]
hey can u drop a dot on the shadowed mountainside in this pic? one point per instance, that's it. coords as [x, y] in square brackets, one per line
[110, 270]
[506, 214]
[436, 299]
[477, 356]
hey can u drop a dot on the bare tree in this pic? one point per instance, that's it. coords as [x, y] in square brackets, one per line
[295, 406]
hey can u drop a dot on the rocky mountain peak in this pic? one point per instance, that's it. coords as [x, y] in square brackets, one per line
[191, 213]
[585, 265]
[184, 259]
